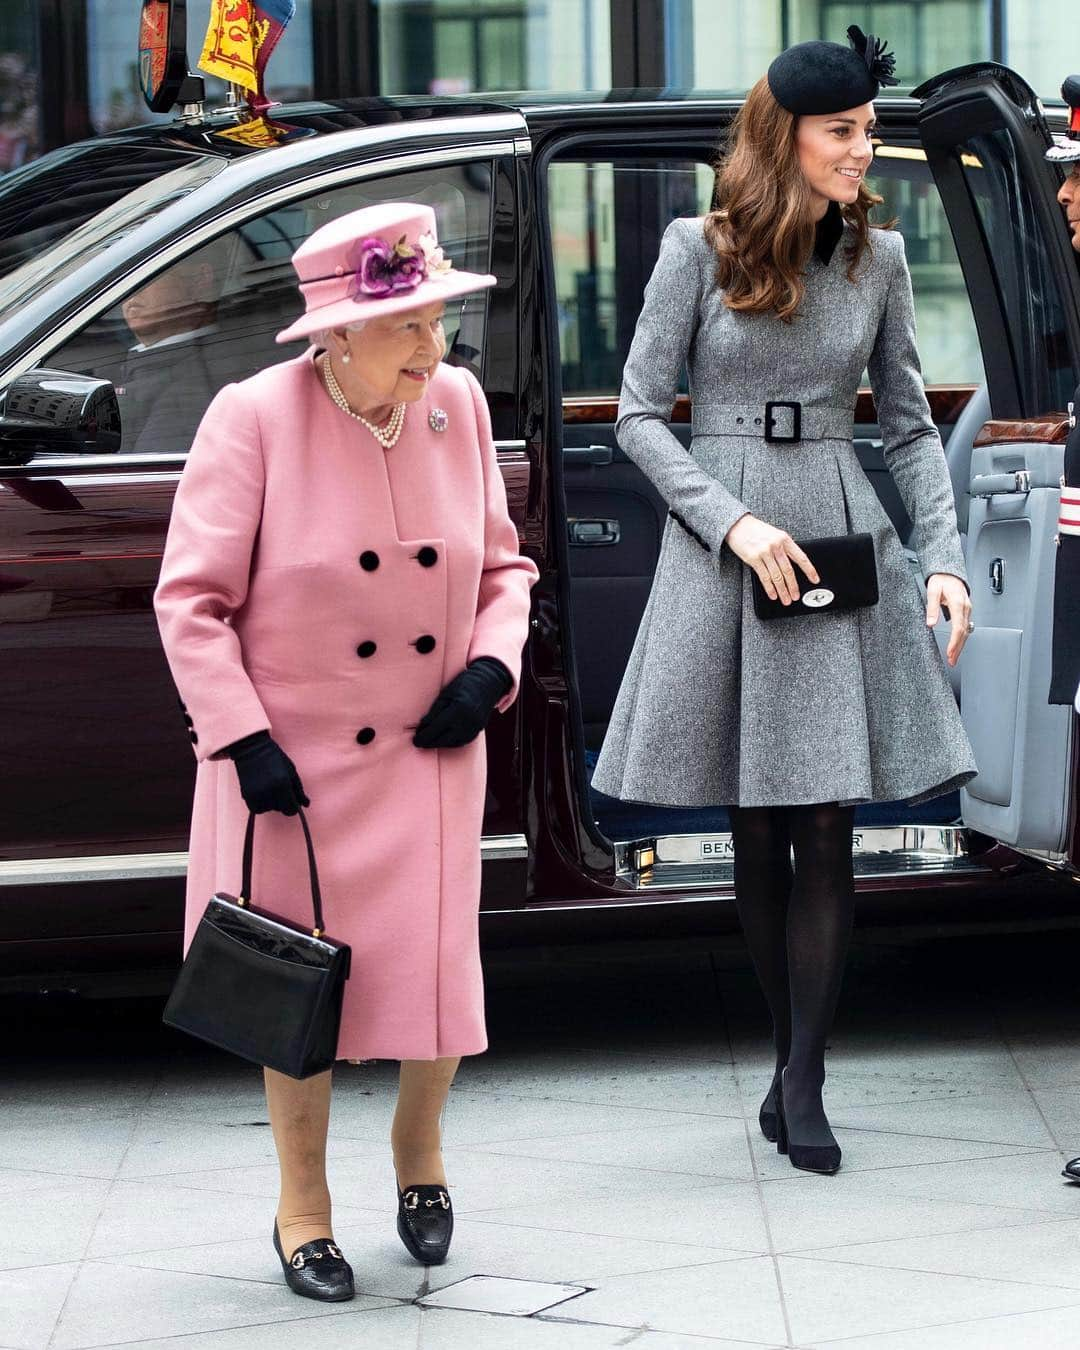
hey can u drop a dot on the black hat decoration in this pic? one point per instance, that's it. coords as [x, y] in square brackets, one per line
[826, 77]
[1066, 148]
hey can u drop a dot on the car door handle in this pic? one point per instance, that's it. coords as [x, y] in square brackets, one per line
[588, 454]
[1001, 484]
[592, 533]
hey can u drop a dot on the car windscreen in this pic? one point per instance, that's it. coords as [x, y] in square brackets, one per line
[71, 204]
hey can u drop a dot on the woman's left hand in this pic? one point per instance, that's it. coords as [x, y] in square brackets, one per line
[948, 594]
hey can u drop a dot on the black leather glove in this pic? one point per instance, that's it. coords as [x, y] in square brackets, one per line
[268, 777]
[461, 711]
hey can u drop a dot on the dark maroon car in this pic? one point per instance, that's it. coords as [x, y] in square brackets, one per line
[565, 202]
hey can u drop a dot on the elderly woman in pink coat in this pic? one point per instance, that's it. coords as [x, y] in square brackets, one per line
[343, 606]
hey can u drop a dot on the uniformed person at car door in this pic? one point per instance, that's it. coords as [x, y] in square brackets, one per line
[343, 605]
[1065, 673]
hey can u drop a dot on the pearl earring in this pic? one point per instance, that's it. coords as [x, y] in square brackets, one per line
[345, 358]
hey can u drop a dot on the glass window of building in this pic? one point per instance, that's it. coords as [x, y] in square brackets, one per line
[20, 86]
[468, 46]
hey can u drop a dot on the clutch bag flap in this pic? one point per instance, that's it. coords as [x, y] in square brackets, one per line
[847, 579]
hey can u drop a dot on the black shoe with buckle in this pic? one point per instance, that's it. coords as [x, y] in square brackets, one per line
[425, 1223]
[1071, 1170]
[317, 1270]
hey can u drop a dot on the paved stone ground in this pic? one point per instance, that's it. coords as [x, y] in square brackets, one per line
[607, 1141]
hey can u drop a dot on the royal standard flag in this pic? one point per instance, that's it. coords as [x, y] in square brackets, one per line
[241, 39]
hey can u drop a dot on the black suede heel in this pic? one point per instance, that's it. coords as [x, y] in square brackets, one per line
[821, 1158]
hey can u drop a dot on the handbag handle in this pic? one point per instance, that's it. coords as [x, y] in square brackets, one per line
[245, 873]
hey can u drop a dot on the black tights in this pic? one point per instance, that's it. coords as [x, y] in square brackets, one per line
[797, 928]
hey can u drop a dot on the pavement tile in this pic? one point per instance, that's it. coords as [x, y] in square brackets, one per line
[865, 1208]
[381, 1266]
[1058, 1329]
[486, 1118]
[53, 1224]
[1048, 1061]
[111, 1304]
[1042, 1253]
[993, 1117]
[876, 1151]
[1022, 1181]
[703, 1214]
[525, 1253]
[1060, 1108]
[827, 1300]
[451, 1329]
[700, 1087]
[735, 1299]
[498, 1294]
[703, 1147]
[30, 1302]
[372, 1327]
[163, 1147]
[141, 1216]
[80, 1145]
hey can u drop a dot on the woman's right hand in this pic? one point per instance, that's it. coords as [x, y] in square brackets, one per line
[268, 777]
[770, 552]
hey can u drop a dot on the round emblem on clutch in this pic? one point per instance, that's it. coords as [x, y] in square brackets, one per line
[438, 420]
[819, 598]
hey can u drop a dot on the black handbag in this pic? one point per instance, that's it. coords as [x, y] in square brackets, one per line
[847, 573]
[259, 986]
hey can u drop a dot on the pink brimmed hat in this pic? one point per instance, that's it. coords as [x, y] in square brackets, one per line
[378, 260]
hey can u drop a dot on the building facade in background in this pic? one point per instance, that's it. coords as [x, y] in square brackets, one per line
[341, 48]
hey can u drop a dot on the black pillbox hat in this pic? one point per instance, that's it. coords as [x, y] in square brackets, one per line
[824, 77]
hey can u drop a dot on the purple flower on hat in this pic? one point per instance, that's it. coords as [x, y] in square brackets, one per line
[381, 269]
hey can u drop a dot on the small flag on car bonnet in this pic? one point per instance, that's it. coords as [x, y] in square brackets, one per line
[240, 41]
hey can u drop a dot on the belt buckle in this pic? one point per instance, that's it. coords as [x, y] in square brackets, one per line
[796, 421]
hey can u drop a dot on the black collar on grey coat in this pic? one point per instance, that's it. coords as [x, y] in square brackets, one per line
[829, 229]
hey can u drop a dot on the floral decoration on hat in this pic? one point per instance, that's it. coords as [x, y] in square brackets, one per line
[880, 62]
[382, 269]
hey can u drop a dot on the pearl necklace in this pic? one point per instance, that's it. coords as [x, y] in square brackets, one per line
[387, 436]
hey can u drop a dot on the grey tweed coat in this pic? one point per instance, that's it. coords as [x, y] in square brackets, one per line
[717, 707]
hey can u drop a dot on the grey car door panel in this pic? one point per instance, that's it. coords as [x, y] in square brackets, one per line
[1022, 743]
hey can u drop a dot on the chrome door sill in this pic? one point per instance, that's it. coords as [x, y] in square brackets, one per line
[146, 866]
[692, 861]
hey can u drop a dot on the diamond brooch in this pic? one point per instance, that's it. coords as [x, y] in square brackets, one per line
[438, 420]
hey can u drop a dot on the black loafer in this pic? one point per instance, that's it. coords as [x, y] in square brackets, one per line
[317, 1270]
[1071, 1170]
[425, 1223]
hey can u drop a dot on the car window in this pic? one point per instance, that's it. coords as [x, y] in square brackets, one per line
[210, 318]
[1023, 270]
[607, 219]
[948, 340]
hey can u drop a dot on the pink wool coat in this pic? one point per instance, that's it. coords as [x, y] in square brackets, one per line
[303, 565]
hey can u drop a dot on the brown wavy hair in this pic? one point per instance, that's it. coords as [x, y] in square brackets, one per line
[761, 226]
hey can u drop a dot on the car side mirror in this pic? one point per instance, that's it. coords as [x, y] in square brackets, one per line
[56, 411]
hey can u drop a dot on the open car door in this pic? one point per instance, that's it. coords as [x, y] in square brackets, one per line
[985, 136]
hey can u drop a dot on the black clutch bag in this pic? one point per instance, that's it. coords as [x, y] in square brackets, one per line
[258, 985]
[848, 579]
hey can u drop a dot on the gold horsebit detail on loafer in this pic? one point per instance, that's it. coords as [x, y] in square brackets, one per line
[412, 1200]
[299, 1260]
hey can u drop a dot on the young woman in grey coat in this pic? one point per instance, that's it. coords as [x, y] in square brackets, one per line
[785, 294]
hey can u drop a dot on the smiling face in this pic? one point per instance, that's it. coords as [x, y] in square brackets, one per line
[835, 152]
[392, 357]
[1069, 196]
